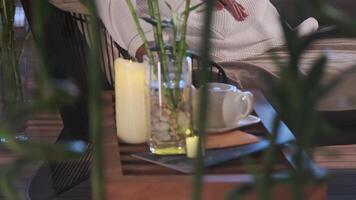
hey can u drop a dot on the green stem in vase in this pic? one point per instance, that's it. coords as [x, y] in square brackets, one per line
[182, 46]
[175, 33]
[155, 14]
[140, 30]
[163, 58]
[151, 12]
[181, 49]
[160, 40]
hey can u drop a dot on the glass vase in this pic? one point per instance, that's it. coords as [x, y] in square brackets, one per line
[170, 105]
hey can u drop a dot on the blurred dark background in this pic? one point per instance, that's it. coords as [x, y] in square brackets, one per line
[291, 10]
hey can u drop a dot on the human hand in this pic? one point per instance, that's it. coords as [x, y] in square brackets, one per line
[140, 52]
[234, 8]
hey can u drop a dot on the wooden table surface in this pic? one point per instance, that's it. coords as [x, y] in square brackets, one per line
[157, 182]
[341, 160]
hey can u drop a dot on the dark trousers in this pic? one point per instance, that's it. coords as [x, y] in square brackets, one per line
[65, 55]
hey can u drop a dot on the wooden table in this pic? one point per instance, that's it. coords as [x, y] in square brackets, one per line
[46, 127]
[129, 178]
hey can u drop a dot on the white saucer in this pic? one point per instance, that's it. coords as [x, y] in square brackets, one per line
[249, 120]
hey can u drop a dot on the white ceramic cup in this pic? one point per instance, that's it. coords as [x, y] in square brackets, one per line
[226, 105]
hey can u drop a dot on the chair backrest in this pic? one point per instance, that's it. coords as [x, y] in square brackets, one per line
[109, 48]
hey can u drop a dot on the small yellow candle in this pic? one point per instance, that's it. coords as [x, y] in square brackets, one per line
[131, 98]
[192, 146]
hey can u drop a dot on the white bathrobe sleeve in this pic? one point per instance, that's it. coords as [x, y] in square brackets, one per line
[231, 40]
[119, 22]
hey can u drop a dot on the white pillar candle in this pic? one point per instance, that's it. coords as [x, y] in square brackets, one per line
[131, 99]
[192, 146]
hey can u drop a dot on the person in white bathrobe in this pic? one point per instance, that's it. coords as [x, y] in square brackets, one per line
[256, 31]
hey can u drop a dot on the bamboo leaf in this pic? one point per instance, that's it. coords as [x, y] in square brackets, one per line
[343, 21]
[150, 20]
[167, 23]
[168, 5]
[315, 74]
[192, 8]
[6, 187]
[167, 46]
[196, 6]
[139, 28]
[292, 43]
[308, 40]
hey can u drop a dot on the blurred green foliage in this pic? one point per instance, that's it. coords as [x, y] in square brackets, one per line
[49, 95]
[296, 96]
[10, 82]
